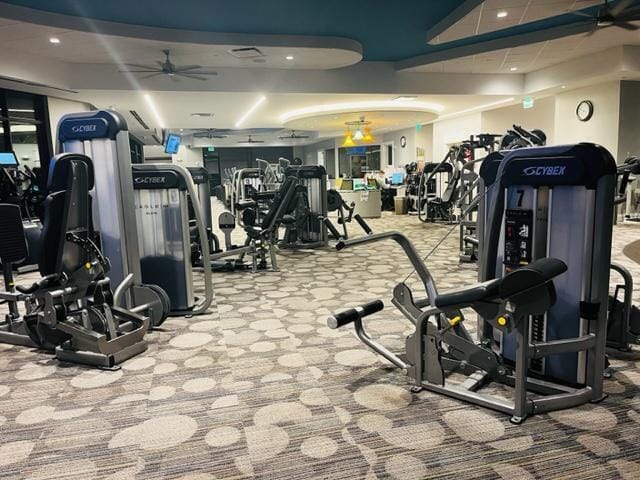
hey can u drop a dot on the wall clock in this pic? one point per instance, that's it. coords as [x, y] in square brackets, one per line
[403, 141]
[584, 111]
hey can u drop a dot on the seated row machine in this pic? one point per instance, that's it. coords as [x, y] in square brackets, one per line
[543, 292]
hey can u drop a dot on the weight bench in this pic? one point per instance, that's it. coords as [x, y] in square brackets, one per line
[440, 344]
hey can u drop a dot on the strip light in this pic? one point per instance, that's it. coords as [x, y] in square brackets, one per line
[154, 110]
[359, 106]
[244, 118]
[474, 109]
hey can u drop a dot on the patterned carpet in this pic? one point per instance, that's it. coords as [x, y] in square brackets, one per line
[261, 388]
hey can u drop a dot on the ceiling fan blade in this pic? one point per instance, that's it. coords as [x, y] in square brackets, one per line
[144, 67]
[140, 71]
[187, 75]
[626, 25]
[619, 7]
[185, 68]
[152, 75]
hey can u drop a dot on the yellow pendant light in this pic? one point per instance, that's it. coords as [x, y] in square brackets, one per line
[348, 140]
[368, 138]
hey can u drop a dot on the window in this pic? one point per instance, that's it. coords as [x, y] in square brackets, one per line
[355, 162]
[25, 129]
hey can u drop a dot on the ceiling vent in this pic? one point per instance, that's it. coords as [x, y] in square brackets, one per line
[202, 114]
[246, 52]
[139, 119]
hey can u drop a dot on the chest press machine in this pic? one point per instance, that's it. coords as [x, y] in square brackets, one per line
[542, 299]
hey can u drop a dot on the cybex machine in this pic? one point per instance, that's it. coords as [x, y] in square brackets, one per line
[161, 194]
[543, 296]
[102, 135]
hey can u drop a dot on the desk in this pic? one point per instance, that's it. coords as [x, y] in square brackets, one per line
[368, 203]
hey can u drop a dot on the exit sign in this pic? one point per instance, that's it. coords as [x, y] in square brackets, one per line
[211, 149]
[527, 102]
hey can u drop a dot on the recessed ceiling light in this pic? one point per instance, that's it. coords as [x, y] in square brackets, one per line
[502, 14]
[514, 69]
[289, 57]
[563, 86]
[54, 40]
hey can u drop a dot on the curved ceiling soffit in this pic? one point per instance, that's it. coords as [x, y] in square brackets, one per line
[360, 107]
[70, 22]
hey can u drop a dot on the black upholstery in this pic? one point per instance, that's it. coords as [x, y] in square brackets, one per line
[465, 296]
[514, 283]
[13, 244]
[66, 209]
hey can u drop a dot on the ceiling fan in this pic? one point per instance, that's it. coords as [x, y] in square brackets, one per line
[251, 140]
[208, 133]
[168, 68]
[292, 136]
[620, 15]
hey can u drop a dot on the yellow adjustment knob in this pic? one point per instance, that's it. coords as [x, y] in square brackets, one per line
[455, 320]
[502, 321]
[87, 265]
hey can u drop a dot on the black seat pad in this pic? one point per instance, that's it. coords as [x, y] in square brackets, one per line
[464, 296]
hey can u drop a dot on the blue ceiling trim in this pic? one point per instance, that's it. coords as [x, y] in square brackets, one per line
[387, 30]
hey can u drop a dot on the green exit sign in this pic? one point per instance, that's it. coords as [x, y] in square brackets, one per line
[418, 127]
[527, 102]
[211, 149]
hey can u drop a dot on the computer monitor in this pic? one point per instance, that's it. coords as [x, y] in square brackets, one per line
[8, 159]
[173, 143]
[397, 178]
[358, 184]
[372, 184]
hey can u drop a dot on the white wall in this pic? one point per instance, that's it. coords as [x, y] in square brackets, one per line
[59, 107]
[188, 157]
[454, 130]
[541, 116]
[602, 128]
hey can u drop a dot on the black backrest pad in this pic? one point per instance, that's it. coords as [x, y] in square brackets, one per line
[65, 210]
[282, 199]
[58, 170]
[13, 245]
[533, 275]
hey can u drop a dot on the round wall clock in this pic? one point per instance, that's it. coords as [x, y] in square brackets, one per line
[584, 111]
[403, 141]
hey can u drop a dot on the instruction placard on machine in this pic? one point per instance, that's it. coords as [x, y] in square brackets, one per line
[518, 235]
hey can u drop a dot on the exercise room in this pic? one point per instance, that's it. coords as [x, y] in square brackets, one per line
[320, 240]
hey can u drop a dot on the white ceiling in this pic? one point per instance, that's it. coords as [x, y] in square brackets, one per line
[176, 108]
[536, 55]
[83, 47]
[484, 19]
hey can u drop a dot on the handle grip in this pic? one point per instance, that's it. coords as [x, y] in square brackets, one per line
[363, 224]
[332, 229]
[343, 318]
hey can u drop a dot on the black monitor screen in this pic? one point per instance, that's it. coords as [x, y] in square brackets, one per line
[173, 143]
[8, 159]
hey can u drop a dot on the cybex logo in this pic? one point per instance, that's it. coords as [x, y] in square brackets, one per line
[544, 171]
[83, 128]
[149, 180]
